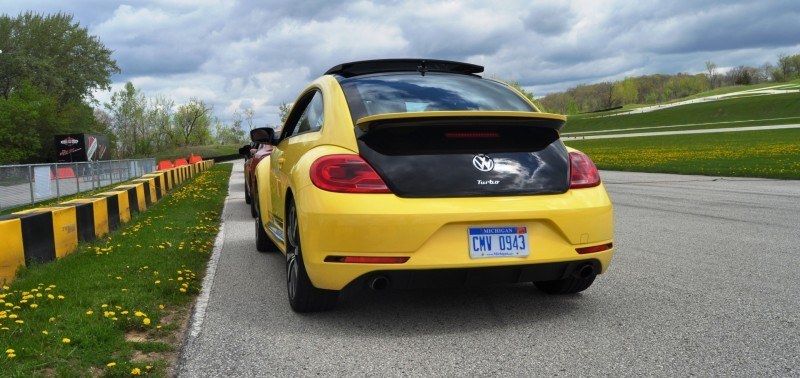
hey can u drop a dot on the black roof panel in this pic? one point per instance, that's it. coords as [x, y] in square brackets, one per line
[366, 67]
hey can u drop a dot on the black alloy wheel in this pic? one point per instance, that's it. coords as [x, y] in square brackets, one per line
[303, 296]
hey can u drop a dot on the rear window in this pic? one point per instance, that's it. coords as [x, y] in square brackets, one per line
[412, 92]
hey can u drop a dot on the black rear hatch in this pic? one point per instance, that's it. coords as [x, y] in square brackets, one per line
[466, 153]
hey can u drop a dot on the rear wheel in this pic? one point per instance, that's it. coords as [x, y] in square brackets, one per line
[247, 198]
[579, 281]
[303, 296]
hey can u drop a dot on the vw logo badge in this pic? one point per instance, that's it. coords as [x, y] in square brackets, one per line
[483, 163]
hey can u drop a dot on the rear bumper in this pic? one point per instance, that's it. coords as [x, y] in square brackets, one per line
[433, 232]
[465, 277]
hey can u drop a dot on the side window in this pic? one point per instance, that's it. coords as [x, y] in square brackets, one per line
[312, 118]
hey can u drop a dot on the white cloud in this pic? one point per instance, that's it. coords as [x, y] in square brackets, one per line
[258, 54]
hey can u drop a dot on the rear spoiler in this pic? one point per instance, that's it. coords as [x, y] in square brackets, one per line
[463, 118]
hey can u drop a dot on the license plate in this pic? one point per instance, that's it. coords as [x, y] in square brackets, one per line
[511, 241]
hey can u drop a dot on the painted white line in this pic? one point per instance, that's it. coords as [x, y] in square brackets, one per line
[208, 282]
[678, 132]
[671, 126]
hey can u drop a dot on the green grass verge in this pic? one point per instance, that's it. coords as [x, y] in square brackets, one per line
[115, 306]
[735, 109]
[765, 153]
[206, 152]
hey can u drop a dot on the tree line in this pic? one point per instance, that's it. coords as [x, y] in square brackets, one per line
[49, 67]
[653, 89]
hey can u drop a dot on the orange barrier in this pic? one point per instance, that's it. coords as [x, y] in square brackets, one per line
[63, 172]
[195, 158]
[165, 164]
[181, 162]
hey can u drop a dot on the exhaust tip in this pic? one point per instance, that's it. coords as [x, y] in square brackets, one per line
[586, 271]
[378, 283]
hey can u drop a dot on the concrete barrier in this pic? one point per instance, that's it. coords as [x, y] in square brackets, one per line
[44, 234]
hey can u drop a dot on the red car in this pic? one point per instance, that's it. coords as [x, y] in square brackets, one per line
[254, 153]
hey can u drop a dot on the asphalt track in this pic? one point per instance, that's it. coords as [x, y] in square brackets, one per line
[704, 282]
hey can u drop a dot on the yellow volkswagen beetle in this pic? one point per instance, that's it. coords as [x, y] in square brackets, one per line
[408, 173]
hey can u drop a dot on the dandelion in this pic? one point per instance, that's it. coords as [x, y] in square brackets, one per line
[146, 321]
[136, 371]
[11, 355]
[45, 332]
[160, 307]
[111, 364]
[51, 319]
[19, 321]
[9, 351]
[158, 282]
[60, 297]
[65, 340]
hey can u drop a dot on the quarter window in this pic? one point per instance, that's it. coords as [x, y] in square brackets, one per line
[312, 118]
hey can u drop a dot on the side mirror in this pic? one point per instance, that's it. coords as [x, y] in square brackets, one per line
[245, 150]
[262, 135]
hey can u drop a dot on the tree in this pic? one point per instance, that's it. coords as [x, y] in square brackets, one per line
[283, 111]
[128, 110]
[711, 67]
[159, 114]
[20, 114]
[54, 54]
[193, 122]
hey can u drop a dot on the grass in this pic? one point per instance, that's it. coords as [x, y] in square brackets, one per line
[691, 126]
[116, 306]
[766, 153]
[735, 109]
[207, 152]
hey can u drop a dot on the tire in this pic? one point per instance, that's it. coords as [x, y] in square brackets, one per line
[303, 296]
[570, 285]
[253, 209]
[263, 242]
[247, 198]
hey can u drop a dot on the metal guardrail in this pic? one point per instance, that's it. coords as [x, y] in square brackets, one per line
[32, 183]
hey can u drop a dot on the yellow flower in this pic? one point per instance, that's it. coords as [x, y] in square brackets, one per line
[50, 296]
[139, 313]
[158, 282]
[60, 297]
[104, 305]
[12, 355]
[45, 332]
[34, 305]
[9, 351]
[161, 306]
[20, 321]
[148, 367]
[52, 319]
[89, 312]
[136, 371]
[65, 340]
[146, 321]
[182, 290]
[111, 364]
[5, 287]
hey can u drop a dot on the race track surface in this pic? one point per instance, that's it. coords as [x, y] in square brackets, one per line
[704, 281]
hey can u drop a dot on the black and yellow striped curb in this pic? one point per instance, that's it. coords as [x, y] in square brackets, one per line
[44, 234]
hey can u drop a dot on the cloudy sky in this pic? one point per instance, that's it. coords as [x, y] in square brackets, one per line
[256, 54]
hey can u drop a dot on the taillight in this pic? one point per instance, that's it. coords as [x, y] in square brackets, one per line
[595, 248]
[366, 259]
[473, 135]
[346, 174]
[583, 172]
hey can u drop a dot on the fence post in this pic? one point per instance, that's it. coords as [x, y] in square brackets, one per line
[30, 182]
[58, 185]
[77, 177]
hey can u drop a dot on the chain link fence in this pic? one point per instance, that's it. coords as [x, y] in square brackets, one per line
[28, 184]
